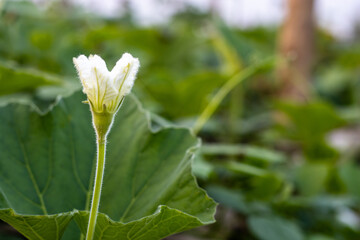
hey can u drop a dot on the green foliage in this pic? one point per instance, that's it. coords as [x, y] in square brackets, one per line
[37, 227]
[253, 152]
[311, 177]
[165, 221]
[230, 198]
[186, 93]
[305, 119]
[14, 80]
[273, 166]
[275, 228]
[148, 180]
[308, 124]
[350, 174]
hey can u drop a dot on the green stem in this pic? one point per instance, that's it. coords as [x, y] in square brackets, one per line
[225, 89]
[101, 148]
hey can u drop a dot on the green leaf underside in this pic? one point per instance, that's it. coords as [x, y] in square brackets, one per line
[157, 226]
[47, 162]
[37, 227]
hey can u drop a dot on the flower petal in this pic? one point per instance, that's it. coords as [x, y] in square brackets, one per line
[104, 88]
[99, 63]
[124, 73]
[84, 70]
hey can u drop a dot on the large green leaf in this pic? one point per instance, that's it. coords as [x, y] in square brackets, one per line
[47, 162]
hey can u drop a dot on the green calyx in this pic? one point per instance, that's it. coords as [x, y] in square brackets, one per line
[102, 122]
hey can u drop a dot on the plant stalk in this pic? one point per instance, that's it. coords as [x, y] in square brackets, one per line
[100, 166]
[226, 88]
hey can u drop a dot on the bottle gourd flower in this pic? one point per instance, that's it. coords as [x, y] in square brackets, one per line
[105, 92]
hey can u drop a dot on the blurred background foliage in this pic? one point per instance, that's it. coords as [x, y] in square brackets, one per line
[280, 169]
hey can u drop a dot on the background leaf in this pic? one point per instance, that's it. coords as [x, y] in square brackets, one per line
[14, 80]
[274, 228]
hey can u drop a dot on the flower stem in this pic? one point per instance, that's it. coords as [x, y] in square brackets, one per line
[100, 166]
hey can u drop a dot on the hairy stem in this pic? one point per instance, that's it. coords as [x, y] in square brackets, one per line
[100, 166]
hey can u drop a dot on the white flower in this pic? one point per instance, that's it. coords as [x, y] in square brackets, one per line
[106, 90]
